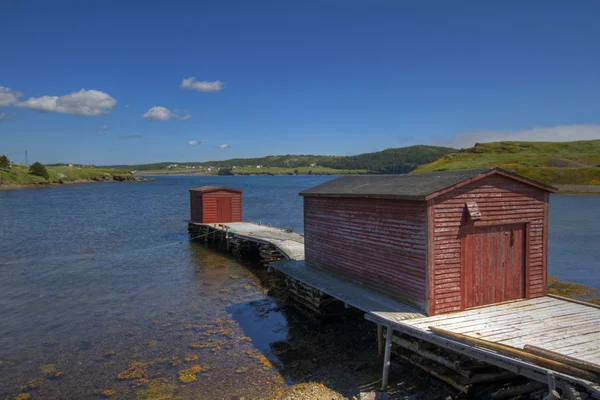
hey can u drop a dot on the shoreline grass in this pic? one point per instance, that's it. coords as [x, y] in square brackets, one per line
[19, 175]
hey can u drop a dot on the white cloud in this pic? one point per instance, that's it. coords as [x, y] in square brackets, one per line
[196, 142]
[104, 127]
[202, 86]
[158, 113]
[558, 133]
[7, 117]
[83, 102]
[100, 133]
[223, 146]
[8, 96]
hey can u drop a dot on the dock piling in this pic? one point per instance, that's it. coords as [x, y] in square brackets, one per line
[386, 358]
[379, 340]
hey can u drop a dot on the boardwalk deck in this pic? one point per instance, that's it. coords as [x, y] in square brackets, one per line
[289, 244]
[350, 293]
[556, 324]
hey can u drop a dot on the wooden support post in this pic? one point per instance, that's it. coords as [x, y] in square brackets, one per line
[553, 395]
[570, 392]
[386, 358]
[414, 347]
[379, 340]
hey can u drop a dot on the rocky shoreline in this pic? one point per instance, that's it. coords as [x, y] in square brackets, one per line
[61, 182]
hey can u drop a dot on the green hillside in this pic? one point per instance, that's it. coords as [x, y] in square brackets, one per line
[576, 163]
[391, 161]
[19, 175]
[399, 160]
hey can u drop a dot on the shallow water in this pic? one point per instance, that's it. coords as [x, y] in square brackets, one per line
[574, 239]
[96, 277]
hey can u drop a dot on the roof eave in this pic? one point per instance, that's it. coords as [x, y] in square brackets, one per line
[494, 171]
[216, 190]
[364, 196]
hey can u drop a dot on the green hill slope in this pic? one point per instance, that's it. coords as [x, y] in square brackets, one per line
[576, 163]
[399, 160]
[391, 161]
[19, 175]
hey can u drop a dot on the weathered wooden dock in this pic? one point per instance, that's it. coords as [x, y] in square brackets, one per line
[559, 325]
[270, 244]
[273, 243]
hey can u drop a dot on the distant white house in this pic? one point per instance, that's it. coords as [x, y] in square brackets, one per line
[259, 166]
[234, 167]
[313, 164]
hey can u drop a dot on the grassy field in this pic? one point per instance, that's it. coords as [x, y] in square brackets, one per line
[575, 163]
[19, 175]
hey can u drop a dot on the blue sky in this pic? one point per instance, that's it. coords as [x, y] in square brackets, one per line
[286, 77]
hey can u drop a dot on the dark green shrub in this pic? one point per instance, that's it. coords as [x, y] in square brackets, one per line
[38, 169]
[4, 163]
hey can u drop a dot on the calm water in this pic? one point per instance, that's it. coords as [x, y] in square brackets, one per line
[99, 282]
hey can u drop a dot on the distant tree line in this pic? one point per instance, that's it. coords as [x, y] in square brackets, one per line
[390, 161]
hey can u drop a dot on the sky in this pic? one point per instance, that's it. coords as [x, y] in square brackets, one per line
[127, 82]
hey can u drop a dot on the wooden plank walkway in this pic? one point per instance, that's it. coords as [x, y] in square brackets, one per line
[559, 325]
[289, 244]
[349, 292]
[556, 324]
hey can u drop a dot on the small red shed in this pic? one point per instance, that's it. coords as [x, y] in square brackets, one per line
[211, 204]
[443, 242]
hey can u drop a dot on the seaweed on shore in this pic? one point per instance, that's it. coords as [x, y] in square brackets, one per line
[572, 290]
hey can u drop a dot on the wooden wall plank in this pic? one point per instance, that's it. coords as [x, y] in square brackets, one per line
[500, 200]
[381, 243]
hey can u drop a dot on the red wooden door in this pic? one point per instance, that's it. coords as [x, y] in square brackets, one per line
[224, 209]
[494, 265]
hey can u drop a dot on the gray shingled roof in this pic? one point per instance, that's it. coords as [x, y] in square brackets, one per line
[404, 187]
[213, 188]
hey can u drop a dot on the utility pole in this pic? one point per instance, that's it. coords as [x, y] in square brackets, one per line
[26, 161]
